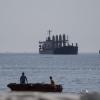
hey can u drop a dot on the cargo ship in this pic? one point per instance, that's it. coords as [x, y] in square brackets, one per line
[57, 45]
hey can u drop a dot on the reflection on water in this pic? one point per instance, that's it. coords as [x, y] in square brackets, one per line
[48, 96]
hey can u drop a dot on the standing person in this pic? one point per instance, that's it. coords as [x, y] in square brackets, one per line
[52, 81]
[23, 79]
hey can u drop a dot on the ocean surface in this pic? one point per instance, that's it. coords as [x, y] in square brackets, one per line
[74, 72]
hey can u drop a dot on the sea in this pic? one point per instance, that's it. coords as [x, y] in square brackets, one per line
[74, 72]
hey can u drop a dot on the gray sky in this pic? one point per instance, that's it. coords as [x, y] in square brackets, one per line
[24, 22]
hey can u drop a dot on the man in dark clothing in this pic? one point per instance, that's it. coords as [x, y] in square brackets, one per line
[52, 81]
[23, 79]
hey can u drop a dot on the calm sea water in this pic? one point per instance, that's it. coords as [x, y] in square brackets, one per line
[74, 72]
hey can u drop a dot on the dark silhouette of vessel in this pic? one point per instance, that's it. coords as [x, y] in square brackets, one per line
[41, 87]
[57, 45]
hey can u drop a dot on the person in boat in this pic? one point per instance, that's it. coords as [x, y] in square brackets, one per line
[52, 81]
[23, 79]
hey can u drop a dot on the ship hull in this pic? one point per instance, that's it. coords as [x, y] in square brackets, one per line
[68, 50]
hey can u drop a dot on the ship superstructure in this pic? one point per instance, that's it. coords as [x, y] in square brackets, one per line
[57, 44]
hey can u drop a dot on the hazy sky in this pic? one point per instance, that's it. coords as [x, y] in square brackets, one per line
[24, 22]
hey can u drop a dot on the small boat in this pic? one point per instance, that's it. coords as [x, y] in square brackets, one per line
[40, 87]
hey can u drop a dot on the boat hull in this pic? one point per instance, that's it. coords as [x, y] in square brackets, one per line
[67, 50]
[35, 87]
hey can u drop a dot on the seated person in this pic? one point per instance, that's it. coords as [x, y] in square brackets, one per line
[23, 79]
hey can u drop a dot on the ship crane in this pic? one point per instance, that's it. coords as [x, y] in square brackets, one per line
[67, 40]
[49, 34]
